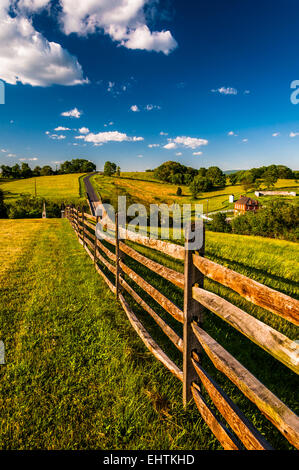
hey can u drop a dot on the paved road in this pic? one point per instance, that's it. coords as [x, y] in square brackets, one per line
[91, 193]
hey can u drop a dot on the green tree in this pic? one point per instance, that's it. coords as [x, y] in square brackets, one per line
[179, 191]
[216, 176]
[200, 184]
[248, 182]
[36, 171]
[233, 178]
[6, 171]
[77, 165]
[219, 223]
[202, 171]
[109, 169]
[284, 172]
[16, 171]
[270, 176]
[167, 170]
[46, 171]
[26, 171]
[177, 178]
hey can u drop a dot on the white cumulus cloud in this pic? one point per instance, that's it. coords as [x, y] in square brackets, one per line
[84, 130]
[169, 146]
[123, 20]
[143, 38]
[105, 137]
[74, 113]
[60, 128]
[26, 56]
[189, 142]
[135, 108]
[294, 134]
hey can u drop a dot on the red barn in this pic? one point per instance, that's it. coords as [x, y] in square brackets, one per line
[245, 204]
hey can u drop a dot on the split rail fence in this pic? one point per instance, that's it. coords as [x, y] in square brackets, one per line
[242, 433]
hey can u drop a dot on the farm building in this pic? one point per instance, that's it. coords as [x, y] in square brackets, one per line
[245, 204]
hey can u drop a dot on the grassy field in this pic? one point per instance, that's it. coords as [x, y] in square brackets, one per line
[56, 187]
[141, 187]
[76, 374]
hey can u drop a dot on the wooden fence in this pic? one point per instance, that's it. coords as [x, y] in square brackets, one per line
[242, 434]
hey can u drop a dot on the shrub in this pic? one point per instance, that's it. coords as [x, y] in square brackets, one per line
[32, 207]
[279, 219]
[219, 223]
[199, 185]
[179, 191]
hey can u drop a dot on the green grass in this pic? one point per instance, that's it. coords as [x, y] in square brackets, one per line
[76, 374]
[266, 260]
[78, 377]
[56, 187]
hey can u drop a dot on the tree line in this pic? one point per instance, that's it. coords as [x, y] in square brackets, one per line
[16, 171]
[201, 180]
[213, 178]
[267, 175]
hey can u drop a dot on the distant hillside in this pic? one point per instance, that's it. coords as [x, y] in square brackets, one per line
[230, 172]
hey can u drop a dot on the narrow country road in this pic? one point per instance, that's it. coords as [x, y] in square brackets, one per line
[91, 193]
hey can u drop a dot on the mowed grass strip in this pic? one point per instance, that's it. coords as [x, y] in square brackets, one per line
[77, 376]
[50, 187]
[23, 235]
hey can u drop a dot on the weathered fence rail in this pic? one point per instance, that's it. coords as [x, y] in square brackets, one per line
[238, 432]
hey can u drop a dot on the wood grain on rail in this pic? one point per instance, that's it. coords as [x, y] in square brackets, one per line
[257, 293]
[171, 275]
[224, 436]
[272, 341]
[245, 431]
[274, 409]
[169, 306]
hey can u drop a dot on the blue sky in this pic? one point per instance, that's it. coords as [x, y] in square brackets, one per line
[200, 82]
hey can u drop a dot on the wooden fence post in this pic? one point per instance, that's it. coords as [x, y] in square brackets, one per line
[119, 256]
[192, 310]
[117, 253]
[83, 226]
[95, 242]
[72, 216]
[77, 222]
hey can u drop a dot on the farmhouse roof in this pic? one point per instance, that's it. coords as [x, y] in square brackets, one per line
[247, 201]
